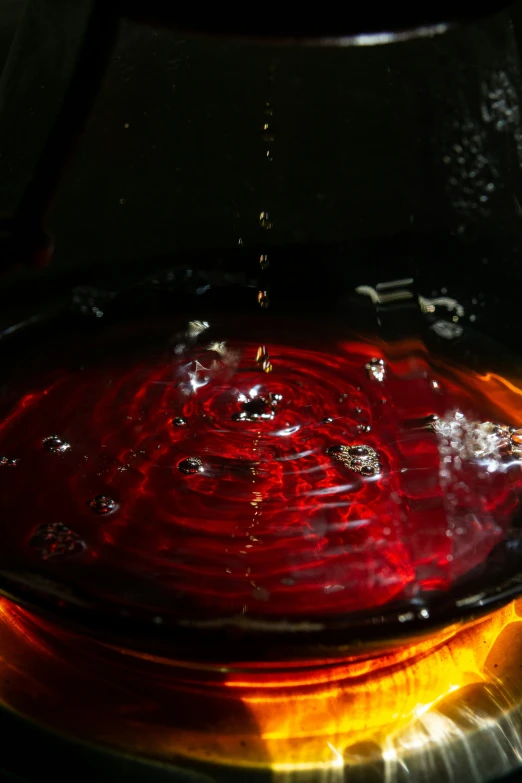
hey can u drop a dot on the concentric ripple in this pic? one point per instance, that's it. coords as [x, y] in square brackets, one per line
[221, 488]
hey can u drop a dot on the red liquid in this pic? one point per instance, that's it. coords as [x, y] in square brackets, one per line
[210, 510]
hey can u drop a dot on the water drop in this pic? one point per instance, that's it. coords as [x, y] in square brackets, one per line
[447, 330]
[88, 301]
[263, 261]
[375, 369]
[191, 465]
[260, 594]
[264, 221]
[179, 422]
[327, 420]
[263, 359]
[268, 134]
[103, 504]
[262, 298]
[9, 462]
[55, 445]
[56, 540]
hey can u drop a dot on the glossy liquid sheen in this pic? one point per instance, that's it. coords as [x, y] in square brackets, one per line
[223, 476]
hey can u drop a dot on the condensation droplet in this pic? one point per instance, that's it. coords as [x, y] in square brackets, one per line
[375, 369]
[103, 504]
[8, 462]
[179, 422]
[447, 330]
[56, 540]
[55, 445]
[260, 593]
[191, 465]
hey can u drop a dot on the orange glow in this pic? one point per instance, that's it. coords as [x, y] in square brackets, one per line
[286, 718]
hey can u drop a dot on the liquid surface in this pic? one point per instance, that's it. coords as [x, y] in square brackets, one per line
[224, 476]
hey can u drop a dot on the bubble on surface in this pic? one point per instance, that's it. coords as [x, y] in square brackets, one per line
[103, 504]
[56, 540]
[191, 465]
[55, 445]
[359, 458]
[257, 407]
[8, 462]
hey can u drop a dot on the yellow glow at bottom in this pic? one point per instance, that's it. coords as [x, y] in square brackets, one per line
[387, 708]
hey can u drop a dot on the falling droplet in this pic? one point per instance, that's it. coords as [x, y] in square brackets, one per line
[375, 369]
[359, 458]
[262, 298]
[263, 261]
[179, 422]
[56, 540]
[264, 221]
[8, 462]
[268, 134]
[263, 359]
[55, 445]
[103, 504]
[191, 465]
